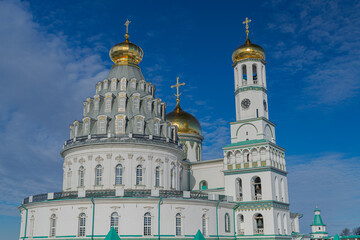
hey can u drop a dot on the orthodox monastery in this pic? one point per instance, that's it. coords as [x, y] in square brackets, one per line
[133, 168]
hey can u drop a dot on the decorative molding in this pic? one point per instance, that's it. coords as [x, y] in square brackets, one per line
[130, 156]
[108, 156]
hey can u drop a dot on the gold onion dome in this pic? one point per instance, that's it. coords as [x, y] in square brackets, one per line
[126, 53]
[186, 122]
[248, 50]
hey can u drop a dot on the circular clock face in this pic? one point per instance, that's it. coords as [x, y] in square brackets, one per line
[245, 103]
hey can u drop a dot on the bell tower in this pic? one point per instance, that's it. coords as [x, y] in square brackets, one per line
[254, 166]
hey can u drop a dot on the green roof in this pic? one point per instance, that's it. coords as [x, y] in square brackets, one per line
[245, 143]
[199, 236]
[336, 237]
[317, 221]
[112, 235]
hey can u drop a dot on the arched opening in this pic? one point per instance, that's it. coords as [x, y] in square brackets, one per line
[279, 223]
[256, 188]
[282, 184]
[227, 222]
[285, 224]
[157, 176]
[139, 175]
[118, 174]
[31, 226]
[114, 221]
[81, 176]
[203, 185]
[178, 225]
[238, 190]
[237, 157]
[259, 224]
[254, 72]
[53, 225]
[240, 223]
[276, 182]
[98, 175]
[244, 75]
[147, 224]
[181, 178]
[172, 177]
[82, 225]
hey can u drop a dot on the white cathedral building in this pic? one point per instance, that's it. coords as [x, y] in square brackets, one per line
[130, 166]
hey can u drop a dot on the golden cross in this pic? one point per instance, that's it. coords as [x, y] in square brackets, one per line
[127, 25]
[246, 22]
[177, 85]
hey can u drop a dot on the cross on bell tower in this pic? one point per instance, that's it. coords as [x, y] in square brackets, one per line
[177, 85]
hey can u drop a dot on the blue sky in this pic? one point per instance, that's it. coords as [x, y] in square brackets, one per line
[53, 53]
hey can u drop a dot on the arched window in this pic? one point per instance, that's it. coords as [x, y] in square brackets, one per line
[197, 153]
[68, 179]
[282, 190]
[136, 103]
[259, 224]
[98, 175]
[142, 86]
[31, 226]
[122, 101]
[118, 174]
[102, 125]
[123, 84]
[238, 190]
[157, 176]
[114, 221]
[276, 182]
[86, 127]
[148, 105]
[139, 175]
[139, 125]
[181, 178]
[240, 222]
[113, 84]
[285, 224]
[81, 176]
[147, 224]
[256, 191]
[265, 105]
[178, 224]
[120, 125]
[133, 84]
[172, 177]
[108, 102]
[82, 225]
[204, 224]
[53, 225]
[279, 223]
[156, 128]
[203, 185]
[254, 72]
[244, 73]
[227, 222]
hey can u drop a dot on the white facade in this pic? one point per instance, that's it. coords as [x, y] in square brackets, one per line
[126, 166]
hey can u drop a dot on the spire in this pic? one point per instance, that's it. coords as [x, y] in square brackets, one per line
[177, 85]
[112, 235]
[199, 236]
[127, 30]
[317, 218]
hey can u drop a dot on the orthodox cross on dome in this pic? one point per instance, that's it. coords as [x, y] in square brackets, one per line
[177, 85]
[127, 29]
[246, 22]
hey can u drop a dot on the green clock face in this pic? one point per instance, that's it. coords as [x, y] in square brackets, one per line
[245, 104]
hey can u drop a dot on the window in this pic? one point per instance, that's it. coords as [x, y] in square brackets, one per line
[139, 174]
[96, 104]
[265, 105]
[256, 191]
[240, 221]
[227, 222]
[122, 101]
[254, 71]
[108, 104]
[123, 84]
[142, 86]
[172, 177]
[156, 128]
[81, 176]
[133, 84]
[118, 174]
[98, 175]
[82, 224]
[120, 125]
[204, 224]
[244, 74]
[136, 103]
[113, 84]
[238, 190]
[178, 224]
[181, 178]
[259, 224]
[87, 127]
[102, 125]
[53, 225]
[157, 176]
[203, 185]
[147, 224]
[139, 125]
[197, 152]
[114, 221]
[69, 179]
[148, 105]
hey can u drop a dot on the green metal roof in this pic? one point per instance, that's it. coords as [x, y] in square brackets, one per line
[199, 236]
[317, 221]
[336, 237]
[245, 143]
[112, 235]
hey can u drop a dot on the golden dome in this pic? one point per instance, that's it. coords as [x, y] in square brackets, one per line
[186, 122]
[126, 53]
[248, 50]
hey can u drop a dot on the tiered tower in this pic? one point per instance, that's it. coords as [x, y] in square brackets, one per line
[254, 166]
[318, 228]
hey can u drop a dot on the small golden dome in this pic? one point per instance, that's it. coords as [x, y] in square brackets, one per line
[126, 53]
[248, 50]
[186, 122]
